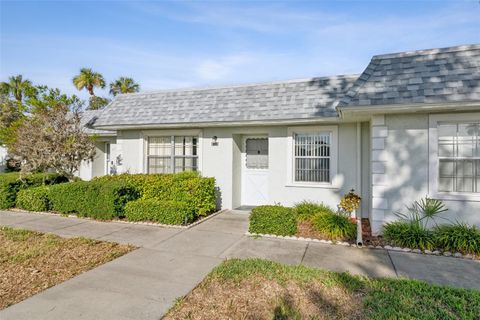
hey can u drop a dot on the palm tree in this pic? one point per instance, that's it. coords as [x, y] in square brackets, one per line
[88, 79]
[17, 87]
[124, 85]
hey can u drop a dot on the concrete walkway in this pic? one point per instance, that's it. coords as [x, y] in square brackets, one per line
[144, 284]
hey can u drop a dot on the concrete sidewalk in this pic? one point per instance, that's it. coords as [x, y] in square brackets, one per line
[170, 262]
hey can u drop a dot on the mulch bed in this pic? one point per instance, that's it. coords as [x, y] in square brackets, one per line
[31, 262]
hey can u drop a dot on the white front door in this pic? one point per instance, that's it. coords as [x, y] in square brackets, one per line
[255, 171]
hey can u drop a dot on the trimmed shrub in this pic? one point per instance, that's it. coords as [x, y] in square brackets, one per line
[189, 187]
[458, 237]
[411, 234]
[334, 226]
[196, 192]
[273, 220]
[167, 212]
[95, 199]
[34, 199]
[143, 181]
[12, 183]
[306, 210]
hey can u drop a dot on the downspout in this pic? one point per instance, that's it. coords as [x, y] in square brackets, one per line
[358, 215]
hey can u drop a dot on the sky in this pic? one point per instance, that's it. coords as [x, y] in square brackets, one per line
[175, 44]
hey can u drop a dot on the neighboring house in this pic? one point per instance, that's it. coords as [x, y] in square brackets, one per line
[105, 160]
[3, 158]
[407, 127]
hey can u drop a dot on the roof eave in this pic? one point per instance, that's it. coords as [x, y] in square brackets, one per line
[220, 123]
[353, 111]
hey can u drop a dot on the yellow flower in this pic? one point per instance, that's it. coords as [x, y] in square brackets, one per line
[350, 201]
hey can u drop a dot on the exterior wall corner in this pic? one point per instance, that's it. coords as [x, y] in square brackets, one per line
[379, 203]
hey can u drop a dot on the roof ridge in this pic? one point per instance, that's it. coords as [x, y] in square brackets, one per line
[357, 84]
[464, 47]
[251, 84]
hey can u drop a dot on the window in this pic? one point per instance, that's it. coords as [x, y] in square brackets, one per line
[169, 154]
[312, 162]
[257, 153]
[459, 157]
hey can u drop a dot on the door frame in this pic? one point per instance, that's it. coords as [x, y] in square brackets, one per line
[108, 157]
[243, 162]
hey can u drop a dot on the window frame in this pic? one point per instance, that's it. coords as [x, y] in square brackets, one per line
[171, 134]
[245, 160]
[434, 159]
[108, 156]
[334, 181]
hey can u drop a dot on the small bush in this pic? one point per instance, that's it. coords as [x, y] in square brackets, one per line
[188, 187]
[167, 212]
[458, 237]
[334, 226]
[197, 192]
[34, 199]
[273, 220]
[410, 234]
[12, 183]
[306, 210]
[142, 181]
[95, 199]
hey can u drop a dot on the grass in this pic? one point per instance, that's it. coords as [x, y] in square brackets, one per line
[260, 289]
[31, 261]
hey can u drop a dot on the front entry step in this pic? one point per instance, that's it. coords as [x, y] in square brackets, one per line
[245, 208]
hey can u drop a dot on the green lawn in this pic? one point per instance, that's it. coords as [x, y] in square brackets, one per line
[259, 289]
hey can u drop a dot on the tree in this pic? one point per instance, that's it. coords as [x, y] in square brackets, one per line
[123, 85]
[88, 79]
[48, 98]
[11, 116]
[17, 87]
[53, 136]
[96, 103]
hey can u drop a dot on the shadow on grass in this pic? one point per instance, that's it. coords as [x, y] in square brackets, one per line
[342, 295]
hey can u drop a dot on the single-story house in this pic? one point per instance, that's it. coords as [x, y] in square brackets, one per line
[406, 128]
[105, 160]
[3, 158]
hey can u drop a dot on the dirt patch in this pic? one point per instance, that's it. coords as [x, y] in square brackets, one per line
[261, 298]
[31, 261]
[261, 289]
[305, 229]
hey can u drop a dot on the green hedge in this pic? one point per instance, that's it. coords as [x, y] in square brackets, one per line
[142, 181]
[95, 199]
[188, 187]
[410, 234]
[197, 192]
[12, 183]
[154, 210]
[334, 226]
[306, 210]
[34, 199]
[273, 220]
[458, 237]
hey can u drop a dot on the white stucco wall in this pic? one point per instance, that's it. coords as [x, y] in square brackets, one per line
[97, 166]
[3, 155]
[400, 170]
[130, 148]
[222, 161]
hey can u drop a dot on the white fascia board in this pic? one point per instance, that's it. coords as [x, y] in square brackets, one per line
[359, 111]
[223, 124]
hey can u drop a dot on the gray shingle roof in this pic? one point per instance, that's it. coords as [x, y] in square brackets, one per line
[88, 119]
[296, 99]
[426, 76]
